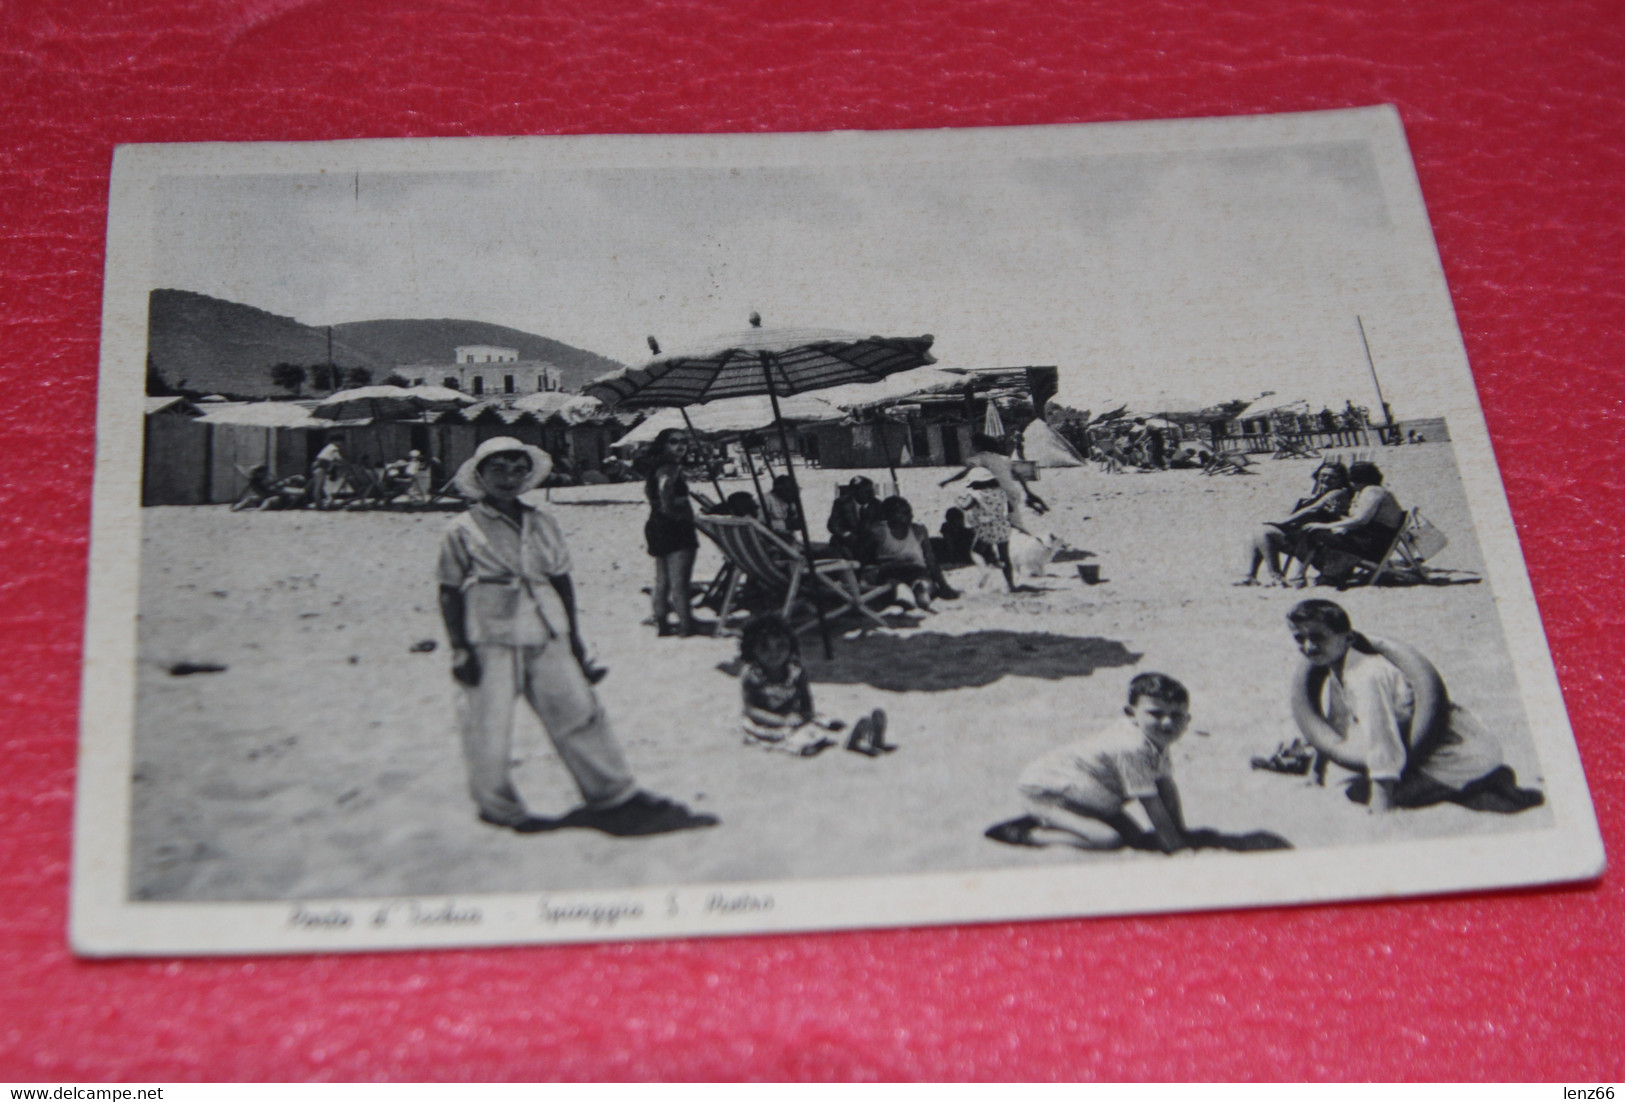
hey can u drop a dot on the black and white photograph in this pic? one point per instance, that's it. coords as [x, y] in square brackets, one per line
[503, 541]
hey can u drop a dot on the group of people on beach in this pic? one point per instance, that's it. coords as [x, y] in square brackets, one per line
[332, 480]
[1375, 707]
[1348, 517]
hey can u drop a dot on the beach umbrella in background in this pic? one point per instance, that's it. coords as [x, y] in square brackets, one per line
[756, 361]
[269, 415]
[439, 397]
[380, 403]
[573, 409]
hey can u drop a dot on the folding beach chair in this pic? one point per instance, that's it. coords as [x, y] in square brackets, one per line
[1416, 541]
[1227, 463]
[778, 568]
[1292, 447]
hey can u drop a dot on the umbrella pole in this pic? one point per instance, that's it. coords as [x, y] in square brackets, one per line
[708, 468]
[744, 446]
[885, 447]
[806, 537]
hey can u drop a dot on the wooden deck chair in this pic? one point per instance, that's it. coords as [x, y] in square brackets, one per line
[1227, 463]
[778, 567]
[1416, 541]
[1291, 447]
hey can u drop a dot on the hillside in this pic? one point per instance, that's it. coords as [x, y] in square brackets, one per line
[210, 346]
[403, 341]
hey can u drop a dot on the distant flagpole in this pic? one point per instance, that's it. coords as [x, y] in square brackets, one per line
[1387, 414]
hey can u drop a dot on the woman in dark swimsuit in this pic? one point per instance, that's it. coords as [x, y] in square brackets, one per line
[670, 533]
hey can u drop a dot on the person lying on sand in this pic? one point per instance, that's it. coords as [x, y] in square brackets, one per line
[1080, 794]
[779, 713]
[509, 607]
[264, 492]
[1328, 501]
[1379, 708]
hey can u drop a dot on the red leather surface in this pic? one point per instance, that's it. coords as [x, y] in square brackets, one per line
[1515, 116]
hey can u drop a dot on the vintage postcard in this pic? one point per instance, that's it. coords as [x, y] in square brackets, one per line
[554, 539]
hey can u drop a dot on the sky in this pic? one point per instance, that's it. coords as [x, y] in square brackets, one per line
[1202, 275]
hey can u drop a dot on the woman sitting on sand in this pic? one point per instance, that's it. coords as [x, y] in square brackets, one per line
[1328, 501]
[1380, 708]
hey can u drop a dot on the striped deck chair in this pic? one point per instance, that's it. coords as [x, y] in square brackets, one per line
[778, 567]
[1416, 541]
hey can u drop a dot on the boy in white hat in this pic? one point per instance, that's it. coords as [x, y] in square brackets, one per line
[510, 613]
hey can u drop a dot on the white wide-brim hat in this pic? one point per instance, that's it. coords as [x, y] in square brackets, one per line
[467, 480]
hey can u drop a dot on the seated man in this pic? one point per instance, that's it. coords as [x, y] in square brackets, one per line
[895, 549]
[856, 508]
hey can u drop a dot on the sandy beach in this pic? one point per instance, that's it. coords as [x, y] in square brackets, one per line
[322, 762]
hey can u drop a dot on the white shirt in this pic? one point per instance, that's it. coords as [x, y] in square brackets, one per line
[503, 570]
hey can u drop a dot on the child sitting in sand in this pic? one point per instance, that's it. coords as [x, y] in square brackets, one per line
[1082, 792]
[779, 712]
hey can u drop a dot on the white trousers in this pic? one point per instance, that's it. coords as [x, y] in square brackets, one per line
[550, 679]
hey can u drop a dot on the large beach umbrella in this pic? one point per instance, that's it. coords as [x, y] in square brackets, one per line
[774, 362]
[730, 416]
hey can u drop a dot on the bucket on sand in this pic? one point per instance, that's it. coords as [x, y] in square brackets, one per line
[1089, 572]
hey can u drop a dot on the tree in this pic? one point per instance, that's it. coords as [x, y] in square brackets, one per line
[397, 379]
[289, 377]
[358, 376]
[156, 387]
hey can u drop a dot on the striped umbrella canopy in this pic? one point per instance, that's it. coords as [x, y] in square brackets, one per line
[760, 361]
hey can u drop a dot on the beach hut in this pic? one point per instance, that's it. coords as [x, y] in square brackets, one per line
[176, 454]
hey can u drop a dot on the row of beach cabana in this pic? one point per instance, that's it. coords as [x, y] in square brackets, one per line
[200, 453]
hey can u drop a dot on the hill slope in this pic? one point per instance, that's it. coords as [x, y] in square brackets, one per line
[212, 346]
[406, 341]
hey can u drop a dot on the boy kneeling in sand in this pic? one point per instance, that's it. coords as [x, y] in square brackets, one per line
[1083, 791]
[510, 612]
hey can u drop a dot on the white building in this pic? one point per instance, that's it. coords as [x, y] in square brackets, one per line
[485, 354]
[491, 371]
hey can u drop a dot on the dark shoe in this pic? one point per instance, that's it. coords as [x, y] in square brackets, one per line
[530, 824]
[666, 630]
[948, 593]
[877, 732]
[1015, 832]
[859, 740]
[643, 814]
